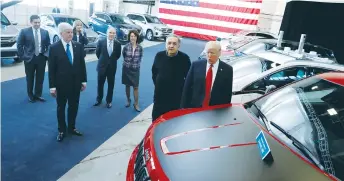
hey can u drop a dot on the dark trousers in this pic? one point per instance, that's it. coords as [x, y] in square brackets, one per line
[108, 75]
[35, 70]
[72, 96]
[160, 109]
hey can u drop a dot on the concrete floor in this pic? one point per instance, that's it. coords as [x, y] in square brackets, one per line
[109, 161]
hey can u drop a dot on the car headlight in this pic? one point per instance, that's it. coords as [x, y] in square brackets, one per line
[157, 29]
[126, 31]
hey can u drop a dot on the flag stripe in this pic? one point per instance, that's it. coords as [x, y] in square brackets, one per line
[200, 26]
[208, 22]
[210, 11]
[195, 35]
[229, 8]
[207, 16]
[237, 3]
[234, 6]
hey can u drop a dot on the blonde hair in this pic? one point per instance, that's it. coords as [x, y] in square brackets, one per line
[76, 23]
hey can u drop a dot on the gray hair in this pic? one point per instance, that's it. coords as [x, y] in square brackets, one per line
[110, 28]
[64, 26]
[173, 36]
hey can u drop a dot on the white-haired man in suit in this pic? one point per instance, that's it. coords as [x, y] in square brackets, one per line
[67, 77]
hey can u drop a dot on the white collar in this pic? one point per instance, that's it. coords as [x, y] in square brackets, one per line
[65, 43]
[215, 65]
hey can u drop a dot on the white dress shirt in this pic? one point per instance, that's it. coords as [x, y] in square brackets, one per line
[215, 68]
[71, 52]
[39, 37]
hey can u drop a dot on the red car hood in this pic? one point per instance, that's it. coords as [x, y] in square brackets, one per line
[220, 145]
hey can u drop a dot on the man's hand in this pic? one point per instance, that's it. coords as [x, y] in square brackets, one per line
[83, 87]
[53, 92]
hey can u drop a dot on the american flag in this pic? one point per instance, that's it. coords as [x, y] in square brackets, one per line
[208, 19]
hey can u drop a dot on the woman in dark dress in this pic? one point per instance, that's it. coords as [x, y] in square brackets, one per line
[79, 35]
[132, 56]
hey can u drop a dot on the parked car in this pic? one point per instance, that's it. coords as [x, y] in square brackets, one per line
[100, 21]
[51, 21]
[256, 45]
[9, 34]
[151, 25]
[293, 133]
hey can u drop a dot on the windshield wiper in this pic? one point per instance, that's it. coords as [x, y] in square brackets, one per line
[297, 144]
[265, 120]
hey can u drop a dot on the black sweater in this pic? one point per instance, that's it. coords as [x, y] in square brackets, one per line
[168, 74]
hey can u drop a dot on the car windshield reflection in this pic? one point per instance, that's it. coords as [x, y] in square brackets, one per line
[312, 111]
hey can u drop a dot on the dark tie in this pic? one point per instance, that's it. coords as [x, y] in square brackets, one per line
[208, 82]
[69, 55]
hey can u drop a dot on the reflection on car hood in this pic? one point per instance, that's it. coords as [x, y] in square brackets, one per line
[9, 31]
[220, 145]
[130, 26]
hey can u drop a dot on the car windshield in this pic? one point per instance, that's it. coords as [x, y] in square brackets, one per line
[121, 19]
[250, 65]
[4, 20]
[68, 20]
[153, 19]
[312, 111]
[254, 46]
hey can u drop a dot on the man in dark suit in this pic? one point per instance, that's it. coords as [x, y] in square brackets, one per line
[33, 44]
[169, 71]
[209, 82]
[67, 77]
[108, 52]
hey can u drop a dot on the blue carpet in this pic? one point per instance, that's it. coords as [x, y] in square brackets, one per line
[29, 148]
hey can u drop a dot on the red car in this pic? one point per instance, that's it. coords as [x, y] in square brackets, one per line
[295, 133]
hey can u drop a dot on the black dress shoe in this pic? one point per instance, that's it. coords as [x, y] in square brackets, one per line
[97, 103]
[75, 132]
[60, 136]
[41, 99]
[108, 105]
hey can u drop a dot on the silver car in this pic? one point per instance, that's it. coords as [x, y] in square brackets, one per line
[51, 21]
[256, 75]
[9, 34]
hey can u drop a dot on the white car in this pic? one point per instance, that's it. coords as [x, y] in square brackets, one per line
[256, 75]
[152, 26]
[51, 21]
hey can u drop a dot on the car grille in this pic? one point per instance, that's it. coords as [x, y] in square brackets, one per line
[140, 169]
[7, 41]
[166, 30]
[91, 39]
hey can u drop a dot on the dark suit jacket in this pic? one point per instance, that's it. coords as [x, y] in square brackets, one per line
[194, 88]
[26, 43]
[104, 59]
[62, 74]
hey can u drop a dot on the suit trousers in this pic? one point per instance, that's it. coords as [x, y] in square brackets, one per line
[70, 94]
[160, 109]
[34, 71]
[108, 75]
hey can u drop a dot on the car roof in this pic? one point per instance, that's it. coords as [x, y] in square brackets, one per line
[274, 57]
[335, 77]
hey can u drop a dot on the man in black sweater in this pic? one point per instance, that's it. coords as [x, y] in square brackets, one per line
[169, 71]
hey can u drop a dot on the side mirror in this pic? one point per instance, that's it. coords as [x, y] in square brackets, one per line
[108, 21]
[14, 23]
[50, 24]
[269, 88]
[218, 39]
[143, 22]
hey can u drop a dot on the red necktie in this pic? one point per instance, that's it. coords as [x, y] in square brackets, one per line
[208, 82]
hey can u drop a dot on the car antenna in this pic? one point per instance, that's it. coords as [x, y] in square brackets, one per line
[280, 39]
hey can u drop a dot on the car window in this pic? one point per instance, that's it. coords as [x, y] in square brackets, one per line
[117, 19]
[278, 79]
[4, 20]
[312, 111]
[152, 19]
[315, 70]
[140, 18]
